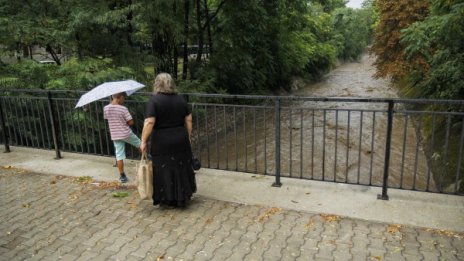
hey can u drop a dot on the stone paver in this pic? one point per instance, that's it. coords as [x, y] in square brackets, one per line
[46, 217]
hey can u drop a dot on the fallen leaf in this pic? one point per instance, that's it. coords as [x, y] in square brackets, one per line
[445, 233]
[330, 218]
[310, 224]
[294, 201]
[209, 221]
[53, 182]
[8, 233]
[377, 257]
[120, 194]
[393, 228]
[84, 179]
[160, 257]
[26, 205]
[268, 213]
[307, 193]
[8, 167]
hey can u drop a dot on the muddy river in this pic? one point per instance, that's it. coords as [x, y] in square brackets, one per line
[331, 141]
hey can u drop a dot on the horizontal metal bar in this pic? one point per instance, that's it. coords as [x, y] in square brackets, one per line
[291, 98]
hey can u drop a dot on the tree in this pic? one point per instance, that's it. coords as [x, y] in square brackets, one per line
[438, 40]
[393, 17]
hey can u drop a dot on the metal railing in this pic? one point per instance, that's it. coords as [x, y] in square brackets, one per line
[389, 143]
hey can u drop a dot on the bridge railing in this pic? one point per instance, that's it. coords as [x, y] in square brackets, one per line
[389, 143]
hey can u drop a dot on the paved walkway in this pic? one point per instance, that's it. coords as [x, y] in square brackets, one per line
[55, 217]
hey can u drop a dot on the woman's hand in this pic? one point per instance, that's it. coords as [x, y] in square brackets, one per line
[146, 132]
[143, 146]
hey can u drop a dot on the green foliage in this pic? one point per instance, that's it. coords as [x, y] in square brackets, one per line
[258, 45]
[74, 74]
[353, 31]
[438, 39]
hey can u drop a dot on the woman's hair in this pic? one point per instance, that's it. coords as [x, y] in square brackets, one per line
[164, 84]
[117, 95]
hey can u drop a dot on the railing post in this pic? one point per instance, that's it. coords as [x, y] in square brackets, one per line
[51, 112]
[5, 134]
[277, 143]
[384, 195]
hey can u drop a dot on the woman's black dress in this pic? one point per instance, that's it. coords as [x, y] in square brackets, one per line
[173, 177]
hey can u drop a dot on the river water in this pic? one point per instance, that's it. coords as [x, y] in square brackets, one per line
[330, 141]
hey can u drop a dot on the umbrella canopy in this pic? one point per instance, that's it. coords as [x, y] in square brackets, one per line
[107, 89]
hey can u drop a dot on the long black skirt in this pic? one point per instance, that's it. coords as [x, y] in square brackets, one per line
[173, 177]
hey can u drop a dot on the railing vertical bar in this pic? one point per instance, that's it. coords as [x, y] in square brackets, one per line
[93, 132]
[445, 157]
[372, 148]
[107, 133]
[347, 146]
[245, 138]
[208, 152]
[4, 129]
[254, 140]
[97, 113]
[53, 126]
[18, 123]
[312, 145]
[406, 118]
[66, 129]
[33, 121]
[30, 117]
[336, 143]
[216, 133]
[86, 132]
[290, 141]
[432, 144]
[458, 171]
[38, 121]
[21, 115]
[80, 131]
[225, 137]
[301, 143]
[73, 127]
[60, 127]
[360, 145]
[416, 157]
[197, 120]
[13, 132]
[384, 195]
[277, 142]
[323, 143]
[265, 141]
[235, 140]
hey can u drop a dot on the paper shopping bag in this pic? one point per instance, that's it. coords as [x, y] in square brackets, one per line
[144, 177]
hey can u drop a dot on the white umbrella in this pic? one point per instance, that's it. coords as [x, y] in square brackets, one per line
[109, 88]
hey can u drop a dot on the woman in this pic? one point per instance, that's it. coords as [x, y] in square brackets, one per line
[168, 121]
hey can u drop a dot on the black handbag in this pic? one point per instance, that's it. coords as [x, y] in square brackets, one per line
[196, 164]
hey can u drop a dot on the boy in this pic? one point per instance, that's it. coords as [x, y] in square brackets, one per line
[119, 120]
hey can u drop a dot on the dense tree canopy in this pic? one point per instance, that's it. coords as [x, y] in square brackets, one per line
[395, 16]
[212, 45]
[438, 40]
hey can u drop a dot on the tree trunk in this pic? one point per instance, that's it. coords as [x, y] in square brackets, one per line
[200, 33]
[130, 29]
[208, 27]
[175, 54]
[186, 36]
[52, 52]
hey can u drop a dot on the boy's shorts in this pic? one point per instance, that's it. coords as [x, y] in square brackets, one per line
[120, 145]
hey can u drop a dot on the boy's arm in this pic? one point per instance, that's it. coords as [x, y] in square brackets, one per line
[130, 122]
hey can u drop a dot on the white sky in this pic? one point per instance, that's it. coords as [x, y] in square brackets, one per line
[354, 3]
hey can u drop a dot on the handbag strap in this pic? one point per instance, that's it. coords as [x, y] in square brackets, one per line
[144, 157]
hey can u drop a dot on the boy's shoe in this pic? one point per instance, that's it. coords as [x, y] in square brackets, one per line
[123, 178]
